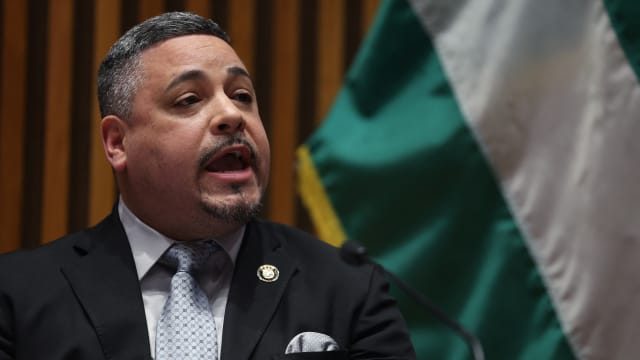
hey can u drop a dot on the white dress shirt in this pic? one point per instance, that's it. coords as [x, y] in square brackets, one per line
[148, 245]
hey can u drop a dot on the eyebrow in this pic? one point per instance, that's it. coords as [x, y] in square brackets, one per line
[199, 74]
[185, 76]
[238, 71]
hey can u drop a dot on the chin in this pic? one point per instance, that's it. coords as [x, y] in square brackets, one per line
[237, 208]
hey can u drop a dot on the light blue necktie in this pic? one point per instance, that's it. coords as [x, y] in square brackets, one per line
[186, 329]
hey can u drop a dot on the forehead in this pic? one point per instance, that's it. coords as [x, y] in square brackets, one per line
[190, 51]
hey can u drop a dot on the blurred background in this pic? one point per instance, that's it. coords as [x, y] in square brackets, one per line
[53, 175]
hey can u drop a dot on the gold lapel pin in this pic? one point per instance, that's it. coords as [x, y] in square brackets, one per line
[268, 273]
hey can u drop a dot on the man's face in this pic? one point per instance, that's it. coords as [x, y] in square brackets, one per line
[197, 156]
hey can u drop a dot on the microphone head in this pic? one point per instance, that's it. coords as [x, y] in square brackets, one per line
[353, 252]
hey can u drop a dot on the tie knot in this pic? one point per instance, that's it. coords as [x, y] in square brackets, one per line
[190, 256]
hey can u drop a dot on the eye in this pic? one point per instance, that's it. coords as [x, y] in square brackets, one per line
[243, 97]
[187, 100]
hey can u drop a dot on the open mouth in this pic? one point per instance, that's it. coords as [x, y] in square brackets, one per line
[231, 159]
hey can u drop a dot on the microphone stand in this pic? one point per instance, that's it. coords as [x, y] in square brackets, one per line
[356, 251]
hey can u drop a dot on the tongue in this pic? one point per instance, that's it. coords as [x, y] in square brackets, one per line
[226, 163]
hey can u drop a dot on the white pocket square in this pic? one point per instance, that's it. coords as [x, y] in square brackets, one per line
[311, 342]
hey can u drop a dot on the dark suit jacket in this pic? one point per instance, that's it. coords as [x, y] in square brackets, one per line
[79, 298]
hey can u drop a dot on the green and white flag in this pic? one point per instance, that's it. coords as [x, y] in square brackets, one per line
[487, 152]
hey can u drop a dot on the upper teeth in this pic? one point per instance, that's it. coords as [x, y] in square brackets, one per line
[237, 154]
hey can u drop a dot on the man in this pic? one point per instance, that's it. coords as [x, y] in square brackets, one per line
[182, 132]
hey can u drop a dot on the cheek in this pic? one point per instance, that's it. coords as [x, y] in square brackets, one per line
[262, 142]
[155, 153]
[265, 160]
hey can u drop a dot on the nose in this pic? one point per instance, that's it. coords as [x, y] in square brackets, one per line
[227, 118]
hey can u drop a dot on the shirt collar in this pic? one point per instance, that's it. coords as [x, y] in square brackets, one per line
[148, 245]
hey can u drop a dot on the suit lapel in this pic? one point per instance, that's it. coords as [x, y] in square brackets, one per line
[106, 285]
[252, 302]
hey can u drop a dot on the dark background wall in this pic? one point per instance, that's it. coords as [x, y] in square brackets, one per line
[53, 175]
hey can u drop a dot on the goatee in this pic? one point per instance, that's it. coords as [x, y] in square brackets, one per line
[239, 212]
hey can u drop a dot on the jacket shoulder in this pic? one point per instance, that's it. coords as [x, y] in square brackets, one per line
[20, 264]
[50, 252]
[295, 241]
[313, 256]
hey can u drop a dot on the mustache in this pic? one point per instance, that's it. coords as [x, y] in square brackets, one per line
[212, 151]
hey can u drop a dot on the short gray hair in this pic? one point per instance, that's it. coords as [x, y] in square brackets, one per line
[119, 73]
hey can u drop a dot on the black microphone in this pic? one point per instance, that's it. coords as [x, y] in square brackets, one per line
[354, 252]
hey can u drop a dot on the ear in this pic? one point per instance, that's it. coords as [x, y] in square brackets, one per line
[113, 131]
